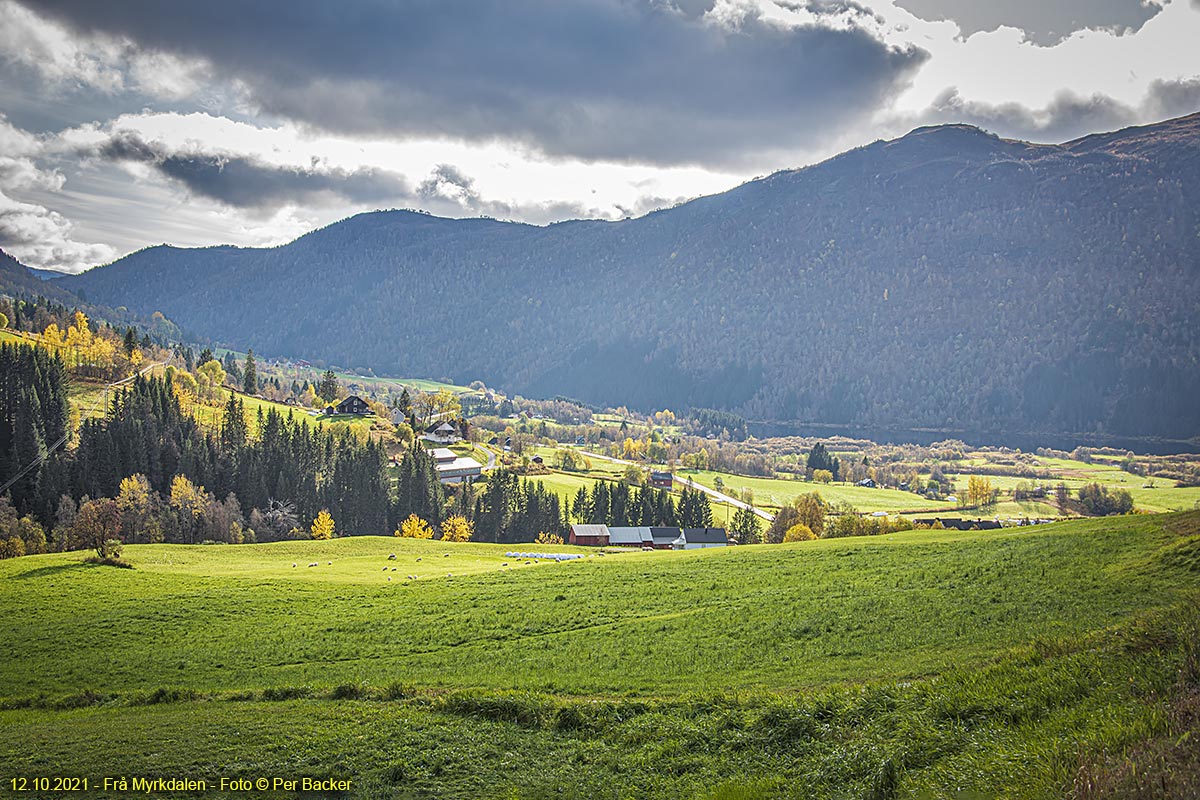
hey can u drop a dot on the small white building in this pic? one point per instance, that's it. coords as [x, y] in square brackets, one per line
[453, 468]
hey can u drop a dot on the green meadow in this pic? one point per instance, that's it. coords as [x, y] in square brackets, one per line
[771, 493]
[920, 664]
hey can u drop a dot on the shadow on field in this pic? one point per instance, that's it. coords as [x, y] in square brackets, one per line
[57, 569]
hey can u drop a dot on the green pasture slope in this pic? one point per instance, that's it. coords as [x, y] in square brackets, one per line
[921, 664]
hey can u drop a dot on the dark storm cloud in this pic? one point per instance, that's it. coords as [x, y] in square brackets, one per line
[1068, 116]
[1044, 23]
[246, 182]
[634, 80]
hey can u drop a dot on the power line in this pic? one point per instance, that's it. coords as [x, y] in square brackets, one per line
[37, 462]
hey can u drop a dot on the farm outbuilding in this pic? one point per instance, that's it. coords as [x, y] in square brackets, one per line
[453, 468]
[630, 537]
[589, 535]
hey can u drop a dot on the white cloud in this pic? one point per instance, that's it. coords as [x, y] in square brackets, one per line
[107, 64]
[37, 236]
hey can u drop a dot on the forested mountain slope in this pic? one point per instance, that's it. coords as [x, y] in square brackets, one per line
[946, 278]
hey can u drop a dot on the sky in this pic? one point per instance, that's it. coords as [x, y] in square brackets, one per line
[132, 123]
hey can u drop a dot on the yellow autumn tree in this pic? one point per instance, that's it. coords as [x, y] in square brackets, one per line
[136, 502]
[457, 529]
[979, 491]
[548, 538]
[189, 502]
[186, 497]
[322, 527]
[415, 528]
[799, 533]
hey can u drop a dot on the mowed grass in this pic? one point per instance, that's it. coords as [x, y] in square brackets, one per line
[922, 664]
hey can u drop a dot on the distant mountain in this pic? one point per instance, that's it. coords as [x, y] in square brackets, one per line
[46, 274]
[949, 278]
[18, 280]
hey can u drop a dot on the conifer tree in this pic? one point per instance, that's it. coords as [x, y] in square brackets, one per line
[250, 374]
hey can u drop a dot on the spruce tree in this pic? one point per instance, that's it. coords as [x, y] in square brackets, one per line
[250, 374]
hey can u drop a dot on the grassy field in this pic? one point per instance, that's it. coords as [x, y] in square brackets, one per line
[212, 415]
[933, 661]
[771, 493]
[1154, 495]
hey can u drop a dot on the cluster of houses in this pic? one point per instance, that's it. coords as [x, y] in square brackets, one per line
[648, 538]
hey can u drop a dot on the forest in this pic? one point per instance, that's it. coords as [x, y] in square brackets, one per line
[946, 279]
[146, 472]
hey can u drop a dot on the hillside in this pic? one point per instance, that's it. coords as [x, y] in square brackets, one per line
[1001, 663]
[946, 279]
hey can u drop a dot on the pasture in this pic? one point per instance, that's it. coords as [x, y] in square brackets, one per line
[929, 660]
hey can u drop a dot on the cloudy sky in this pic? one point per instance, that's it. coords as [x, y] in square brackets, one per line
[130, 123]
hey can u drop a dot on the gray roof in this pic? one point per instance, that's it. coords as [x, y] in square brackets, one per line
[629, 535]
[664, 535]
[589, 530]
[705, 536]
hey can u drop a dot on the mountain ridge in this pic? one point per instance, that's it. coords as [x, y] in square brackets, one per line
[945, 277]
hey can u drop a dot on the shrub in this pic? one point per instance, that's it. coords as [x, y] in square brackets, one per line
[799, 533]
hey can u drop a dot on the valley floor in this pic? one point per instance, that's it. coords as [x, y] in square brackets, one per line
[1025, 663]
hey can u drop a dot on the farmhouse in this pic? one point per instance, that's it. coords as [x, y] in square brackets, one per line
[698, 538]
[453, 468]
[663, 538]
[661, 480]
[351, 405]
[442, 432]
[590, 535]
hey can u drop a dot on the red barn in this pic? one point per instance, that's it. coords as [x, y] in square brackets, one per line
[589, 535]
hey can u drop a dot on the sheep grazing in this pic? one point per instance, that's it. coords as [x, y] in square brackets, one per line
[385, 569]
[389, 577]
[449, 574]
[330, 563]
[418, 558]
[445, 555]
[393, 569]
[293, 565]
[314, 564]
[392, 557]
[505, 564]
